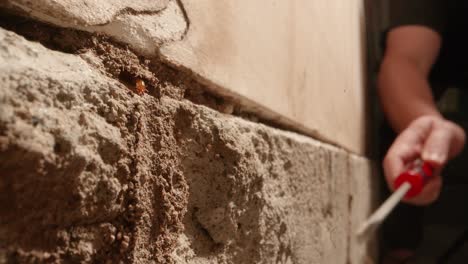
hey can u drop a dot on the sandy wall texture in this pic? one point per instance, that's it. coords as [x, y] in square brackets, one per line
[110, 157]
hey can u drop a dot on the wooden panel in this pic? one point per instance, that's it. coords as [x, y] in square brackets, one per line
[299, 62]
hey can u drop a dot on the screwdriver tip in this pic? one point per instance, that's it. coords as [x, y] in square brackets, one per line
[364, 229]
[361, 230]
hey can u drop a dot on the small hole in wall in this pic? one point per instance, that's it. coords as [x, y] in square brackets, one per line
[62, 146]
[287, 165]
[91, 167]
[126, 78]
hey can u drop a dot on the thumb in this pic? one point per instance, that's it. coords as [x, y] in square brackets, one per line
[437, 145]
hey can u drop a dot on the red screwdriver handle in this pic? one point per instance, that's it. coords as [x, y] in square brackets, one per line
[417, 176]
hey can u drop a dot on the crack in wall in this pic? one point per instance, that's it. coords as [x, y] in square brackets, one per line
[186, 17]
[130, 11]
[117, 13]
[161, 78]
[217, 97]
[145, 30]
[350, 212]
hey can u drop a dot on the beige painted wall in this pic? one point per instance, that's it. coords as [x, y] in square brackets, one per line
[301, 60]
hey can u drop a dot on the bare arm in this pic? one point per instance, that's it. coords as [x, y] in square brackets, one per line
[404, 91]
[409, 106]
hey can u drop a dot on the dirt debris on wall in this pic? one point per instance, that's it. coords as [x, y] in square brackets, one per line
[93, 172]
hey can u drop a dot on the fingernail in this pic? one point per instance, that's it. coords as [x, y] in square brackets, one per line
[434, 157]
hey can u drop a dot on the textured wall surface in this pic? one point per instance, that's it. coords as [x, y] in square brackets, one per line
[295, 62]
[94, 169]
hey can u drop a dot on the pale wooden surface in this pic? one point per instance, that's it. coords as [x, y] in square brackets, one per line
[300, 62]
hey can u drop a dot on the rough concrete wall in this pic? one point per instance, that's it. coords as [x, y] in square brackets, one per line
[95, 170]
[280, 59]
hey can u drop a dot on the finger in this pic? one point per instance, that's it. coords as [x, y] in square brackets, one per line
[393, 166]
[437, 146]
[458, 140]
[416, 132]
[397, 159]
[429, 194]
[405, 149]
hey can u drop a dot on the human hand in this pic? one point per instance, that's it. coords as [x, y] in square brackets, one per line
[434, 140]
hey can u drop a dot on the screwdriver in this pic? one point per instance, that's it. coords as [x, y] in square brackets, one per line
[408, 184]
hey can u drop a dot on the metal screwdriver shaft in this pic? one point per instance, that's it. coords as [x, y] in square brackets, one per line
[377, 218]
[408, 184]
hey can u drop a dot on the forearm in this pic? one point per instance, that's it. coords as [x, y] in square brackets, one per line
[404, 92]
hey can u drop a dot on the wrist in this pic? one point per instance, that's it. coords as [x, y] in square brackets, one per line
[428, 113]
